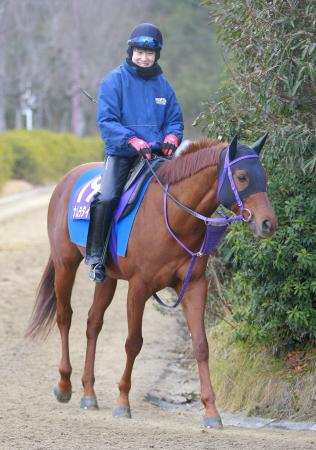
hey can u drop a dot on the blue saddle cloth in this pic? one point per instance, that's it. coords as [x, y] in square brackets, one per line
[83, 192]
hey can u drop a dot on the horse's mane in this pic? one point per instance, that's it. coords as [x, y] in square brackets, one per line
[198, 155]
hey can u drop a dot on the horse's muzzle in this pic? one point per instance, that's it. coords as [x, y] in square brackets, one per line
[267, 228]
[263, 221]
[264, 229]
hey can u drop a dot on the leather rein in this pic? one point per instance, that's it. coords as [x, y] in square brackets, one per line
[213, 224]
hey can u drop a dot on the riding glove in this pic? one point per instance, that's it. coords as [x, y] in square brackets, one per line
[142, 147]
[170, 144]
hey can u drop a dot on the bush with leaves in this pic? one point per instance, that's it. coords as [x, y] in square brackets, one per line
[6, 162]
[270, 50]
[42, 156]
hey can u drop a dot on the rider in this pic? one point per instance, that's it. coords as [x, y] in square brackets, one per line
[136, 105]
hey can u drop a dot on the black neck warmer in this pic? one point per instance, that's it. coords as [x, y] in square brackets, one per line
[146, 72]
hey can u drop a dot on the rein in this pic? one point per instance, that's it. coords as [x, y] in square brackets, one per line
[215, 226]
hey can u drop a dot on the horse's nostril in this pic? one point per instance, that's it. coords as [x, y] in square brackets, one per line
[266, 226]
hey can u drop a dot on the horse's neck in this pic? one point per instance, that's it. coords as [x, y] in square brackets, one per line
[198, 192]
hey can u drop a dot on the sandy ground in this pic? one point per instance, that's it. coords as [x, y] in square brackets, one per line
[30, 417]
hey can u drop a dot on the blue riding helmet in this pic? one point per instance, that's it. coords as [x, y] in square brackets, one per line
[146, 35]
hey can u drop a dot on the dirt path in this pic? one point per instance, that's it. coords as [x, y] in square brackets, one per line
[30, 418]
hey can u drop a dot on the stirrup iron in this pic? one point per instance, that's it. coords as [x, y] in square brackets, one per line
[97, 273]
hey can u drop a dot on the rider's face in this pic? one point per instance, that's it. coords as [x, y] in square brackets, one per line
[143, 57]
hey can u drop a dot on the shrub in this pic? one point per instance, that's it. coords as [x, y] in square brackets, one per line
[41, 156]
[271, 285]
[6, 161]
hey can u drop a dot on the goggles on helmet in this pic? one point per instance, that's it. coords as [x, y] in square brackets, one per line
[144, 41]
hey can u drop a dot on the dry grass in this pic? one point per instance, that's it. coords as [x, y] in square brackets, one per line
[251, 380]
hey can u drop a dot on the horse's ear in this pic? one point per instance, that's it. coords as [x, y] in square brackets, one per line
[233, 149]
[257, 146]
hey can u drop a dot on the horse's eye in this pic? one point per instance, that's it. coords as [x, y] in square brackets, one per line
[242, 178]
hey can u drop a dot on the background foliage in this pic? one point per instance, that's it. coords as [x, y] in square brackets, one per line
[271, 85]
[57, 47]
[44, 156]
[191, 57]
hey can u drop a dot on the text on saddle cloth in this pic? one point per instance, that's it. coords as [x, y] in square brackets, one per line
[83, 197]
[86, 192]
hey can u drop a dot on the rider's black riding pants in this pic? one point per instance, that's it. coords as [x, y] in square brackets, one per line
[115, 173]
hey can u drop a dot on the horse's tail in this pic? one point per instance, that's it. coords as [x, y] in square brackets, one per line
[43, 315]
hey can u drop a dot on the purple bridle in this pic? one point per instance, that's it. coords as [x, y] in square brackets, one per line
[227, 169]
[215, 226]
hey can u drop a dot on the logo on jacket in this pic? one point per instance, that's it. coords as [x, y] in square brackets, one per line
[161, 101]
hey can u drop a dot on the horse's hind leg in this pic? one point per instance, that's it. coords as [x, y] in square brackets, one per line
[103, 296]
[136, 300]
[64, 280]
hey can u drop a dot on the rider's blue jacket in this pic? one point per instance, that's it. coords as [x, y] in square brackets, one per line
[130, 106]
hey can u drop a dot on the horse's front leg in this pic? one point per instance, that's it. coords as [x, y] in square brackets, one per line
[194, 303]
[136, 299]
[103, 296]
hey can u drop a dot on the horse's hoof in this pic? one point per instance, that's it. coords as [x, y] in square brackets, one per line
[212, 422]
[61, 396]
[89, 403]
[122, 411]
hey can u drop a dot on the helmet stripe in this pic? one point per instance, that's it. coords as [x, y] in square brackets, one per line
[144, 41]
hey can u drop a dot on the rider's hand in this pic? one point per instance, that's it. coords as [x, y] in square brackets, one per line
[170, 144]
[142, 147]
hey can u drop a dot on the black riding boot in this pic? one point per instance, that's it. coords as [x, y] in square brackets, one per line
[116, 170]
[101, 215]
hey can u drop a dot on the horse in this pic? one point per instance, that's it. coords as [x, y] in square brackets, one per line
[193, 178]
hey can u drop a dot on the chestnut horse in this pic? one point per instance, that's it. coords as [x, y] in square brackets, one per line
[193, 177]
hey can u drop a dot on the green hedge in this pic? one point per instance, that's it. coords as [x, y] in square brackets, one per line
[270, 286]
[6, 161]
[41, 156]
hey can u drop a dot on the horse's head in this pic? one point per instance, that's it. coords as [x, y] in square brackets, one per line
[242, 186]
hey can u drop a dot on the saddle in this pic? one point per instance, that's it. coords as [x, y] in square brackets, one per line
[141, 172]
[88, 185]
[85, 190]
